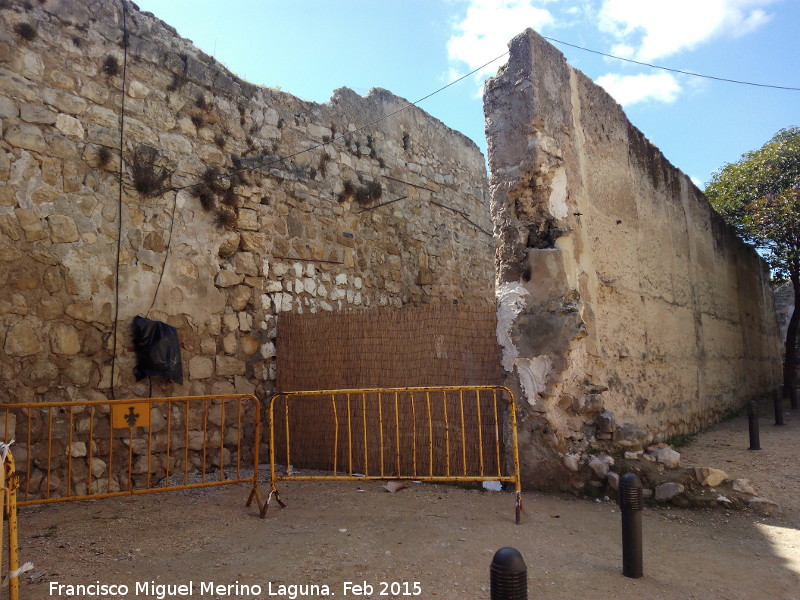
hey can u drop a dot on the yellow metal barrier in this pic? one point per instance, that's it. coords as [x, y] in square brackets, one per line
[99, 449]
[436, 434]
[9, 490]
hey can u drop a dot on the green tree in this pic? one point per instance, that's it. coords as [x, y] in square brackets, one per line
[759, 195]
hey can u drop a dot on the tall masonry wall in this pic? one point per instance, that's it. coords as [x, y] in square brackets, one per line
[628, 311]
[220, 261]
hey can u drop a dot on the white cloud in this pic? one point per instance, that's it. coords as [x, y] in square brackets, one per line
[489, 25]
[630, 89]
[661, 28]
[623, 50]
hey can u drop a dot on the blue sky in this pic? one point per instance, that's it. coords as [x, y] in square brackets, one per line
[412, 47]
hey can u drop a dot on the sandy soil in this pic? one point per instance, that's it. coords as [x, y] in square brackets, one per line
[441, 537]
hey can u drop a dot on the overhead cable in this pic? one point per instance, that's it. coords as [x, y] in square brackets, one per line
[644, 64]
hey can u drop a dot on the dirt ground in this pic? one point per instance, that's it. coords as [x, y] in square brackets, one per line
[441, 537]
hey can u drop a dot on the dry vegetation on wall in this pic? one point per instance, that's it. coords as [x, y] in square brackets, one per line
[238, 203]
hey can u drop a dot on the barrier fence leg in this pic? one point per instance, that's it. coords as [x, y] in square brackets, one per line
[272, 492]
[255, 493]
[13, 541]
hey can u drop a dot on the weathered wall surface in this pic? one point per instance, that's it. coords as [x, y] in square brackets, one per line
[221, 260]
[628, 311]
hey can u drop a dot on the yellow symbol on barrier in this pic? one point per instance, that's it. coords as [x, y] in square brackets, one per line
[130, 415]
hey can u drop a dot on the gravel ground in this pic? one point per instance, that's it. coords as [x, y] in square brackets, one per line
[440, 537]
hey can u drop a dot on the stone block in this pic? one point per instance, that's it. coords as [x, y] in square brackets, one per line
[176, 144]
[228, 366]
[245, 321]
[228, 278]
[230, 344]
[763, 506]
[571, 462]
[30, 223]
[208, 345]
[98, 467]
[249, 344]
[200, 367]
[425, 276]
[600, 465]
[668, 457]
[268, 350]
[25, 136]
[62, 81]
[77, 449]
[43, 371]
[588, 403]
[36, 113]
[744, 486]
[62, 229]
[605, 422]
[79, 370]
[137, 89]
[244, 263]
[81, 311]
[157, 420]
[70, 126]
[155, 243]
[709, 476]
[103, 486]
[64, 101]
[8, 108]
[229, 243]
[239, 297]
[248, 220]
[22, 340]
[667, 491]
[253, 241]
[231, 322]
[65, 339]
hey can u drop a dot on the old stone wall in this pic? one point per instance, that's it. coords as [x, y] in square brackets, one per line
[238, 203]
[628, 311]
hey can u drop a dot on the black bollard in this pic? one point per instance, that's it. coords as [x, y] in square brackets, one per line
[630, 505]
[508, 575]
[752, 417]
[777, 401]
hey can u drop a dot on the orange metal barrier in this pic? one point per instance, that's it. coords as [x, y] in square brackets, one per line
[9, 490]
[99, 449]
[436, 434]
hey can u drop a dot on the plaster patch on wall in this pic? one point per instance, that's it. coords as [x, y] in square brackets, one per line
[558, 194]
[533, 374]
[510, 302]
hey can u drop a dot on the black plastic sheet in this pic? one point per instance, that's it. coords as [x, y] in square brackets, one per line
[158, 351]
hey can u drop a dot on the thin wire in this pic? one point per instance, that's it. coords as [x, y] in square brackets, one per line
[119, 200]
[166, 255]
[636, 62]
